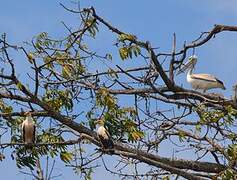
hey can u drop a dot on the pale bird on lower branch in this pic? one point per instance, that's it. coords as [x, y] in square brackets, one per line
[28, 130]
[104, 137]
[200, 81]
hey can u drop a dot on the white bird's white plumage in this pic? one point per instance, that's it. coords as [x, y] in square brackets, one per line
[28, 130]
[103, 132]
[200, 81]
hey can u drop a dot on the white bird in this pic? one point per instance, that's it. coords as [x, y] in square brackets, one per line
[200, 81]
[104, 136]
[28, 130]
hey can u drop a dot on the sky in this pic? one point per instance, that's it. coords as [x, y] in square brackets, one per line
[151, 20]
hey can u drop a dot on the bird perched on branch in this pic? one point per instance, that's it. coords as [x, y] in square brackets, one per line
[200, 81]
[28, 130]
[104, 137]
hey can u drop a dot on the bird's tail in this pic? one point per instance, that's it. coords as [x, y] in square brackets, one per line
[29, 147]
[110, 146]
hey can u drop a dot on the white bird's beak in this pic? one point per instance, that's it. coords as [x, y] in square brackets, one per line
[190, 64]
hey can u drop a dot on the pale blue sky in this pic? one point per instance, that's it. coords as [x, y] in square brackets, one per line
[152, 20]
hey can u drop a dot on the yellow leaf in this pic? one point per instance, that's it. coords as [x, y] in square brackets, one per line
[123, 52]
[128, 37]
[66, 156]
[19, 86]
[67, 70]
[48, 61]
[137, 135]
[30, 57]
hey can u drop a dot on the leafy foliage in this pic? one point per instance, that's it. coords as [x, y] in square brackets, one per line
[72, 85]
[4, 107]
[228, 174]
[57, 99]
[28, 157]
[128, 49]
[120, 122]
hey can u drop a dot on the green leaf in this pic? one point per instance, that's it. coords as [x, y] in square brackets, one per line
[123, 52]
[182, 136]
[129, 37]
[92, 26]
[28, 161]
[66, 156]
[68, 70]
[30, 57]
[19, 86]
[48, 61]
[198, 127]
[136, 50]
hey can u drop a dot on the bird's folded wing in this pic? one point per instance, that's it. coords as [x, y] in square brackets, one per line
[23, 133]
[205, 77]
[107, 134]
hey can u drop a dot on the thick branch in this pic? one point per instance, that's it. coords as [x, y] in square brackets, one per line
[182, 164]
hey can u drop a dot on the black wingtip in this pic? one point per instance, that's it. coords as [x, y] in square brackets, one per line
[108, 145]
[111, 147]
[223, 86]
